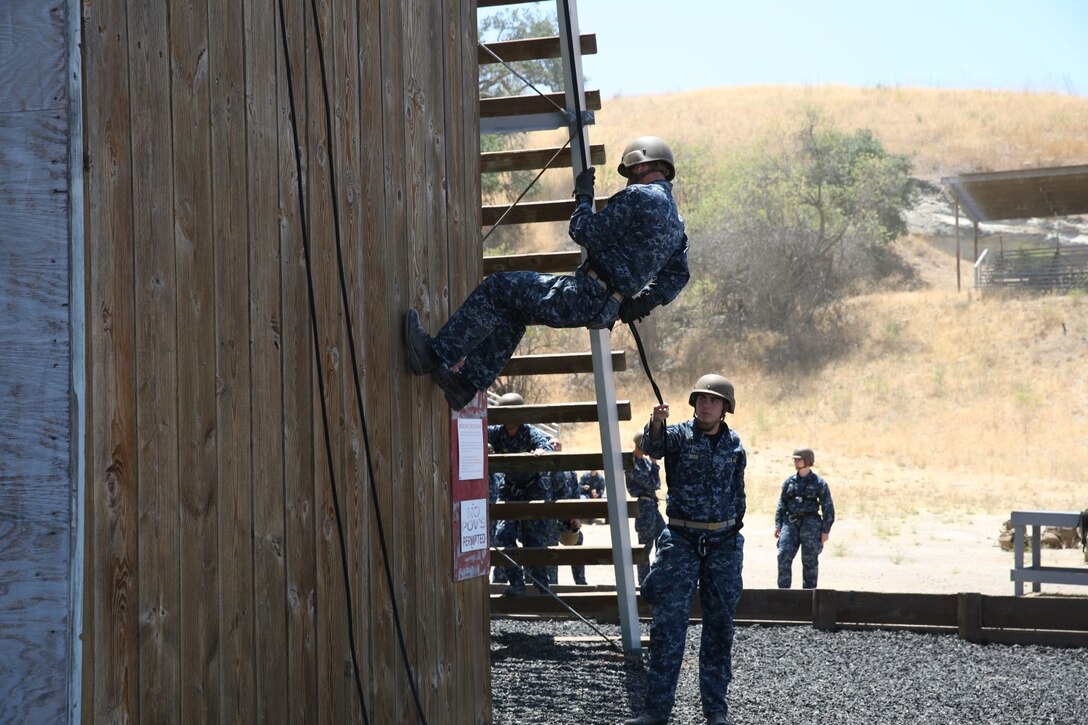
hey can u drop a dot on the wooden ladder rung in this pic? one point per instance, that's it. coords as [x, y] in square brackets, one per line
[533, 211]
[581, 412]
[573, 508]
[560, 363]
[534, 159]
[594, 604]
[528, 463]
[529, 105]
[533, 48]
[564, 555]
[549, 262]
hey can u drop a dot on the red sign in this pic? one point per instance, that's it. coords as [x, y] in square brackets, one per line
[468, 476]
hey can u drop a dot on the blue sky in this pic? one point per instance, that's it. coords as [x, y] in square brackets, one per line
[657, 46]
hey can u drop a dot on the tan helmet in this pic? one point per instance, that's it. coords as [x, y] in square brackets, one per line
[717, 386]
[644, 149]
[806, 455]
[511, 399]
[638, 441]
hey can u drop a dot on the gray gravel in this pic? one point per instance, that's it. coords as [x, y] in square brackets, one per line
[794, 675]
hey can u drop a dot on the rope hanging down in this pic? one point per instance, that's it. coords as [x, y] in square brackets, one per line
[354, 365]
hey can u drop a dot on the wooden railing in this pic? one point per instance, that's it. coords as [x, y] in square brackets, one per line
[1043, 269]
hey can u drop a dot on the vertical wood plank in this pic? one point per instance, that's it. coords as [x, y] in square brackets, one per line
[380, 323]
[390, 707]
[156, 365]
[262, 62]
[199, 494]
[111, 636]
[301, 440]
[36, 432]
[230, 234]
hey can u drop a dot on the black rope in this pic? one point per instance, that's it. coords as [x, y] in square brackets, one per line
[645, 363]
[320, 365]
[355, 369]
[548, 590]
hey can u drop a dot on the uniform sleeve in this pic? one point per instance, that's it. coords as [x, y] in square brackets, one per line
[656, 449]
[741, 499]
[827, 506]
[538, 439]
[780, 510]
[599, 230]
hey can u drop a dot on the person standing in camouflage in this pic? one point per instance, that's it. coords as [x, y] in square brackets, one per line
[701, 547]
[522, 438]
[798, 521]
[636, 260]
[564, 485]
[643, 482]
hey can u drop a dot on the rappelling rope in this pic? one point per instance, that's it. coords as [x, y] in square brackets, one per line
[354, 367]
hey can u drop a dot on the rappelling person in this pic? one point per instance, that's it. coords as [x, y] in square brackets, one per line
[637, 260]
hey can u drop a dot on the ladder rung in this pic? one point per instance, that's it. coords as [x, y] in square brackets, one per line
[528, 463]
[528, 105]
[581, 412]
[551, 262]
[500, 3]
[533, 48]
[564, 555]
[560, 363]
[533, 159]
[533, 211]
[567, 508]
[590, 604]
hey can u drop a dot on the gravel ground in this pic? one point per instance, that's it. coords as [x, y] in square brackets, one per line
[794, 675]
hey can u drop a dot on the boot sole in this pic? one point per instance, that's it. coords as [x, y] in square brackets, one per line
[411, 326]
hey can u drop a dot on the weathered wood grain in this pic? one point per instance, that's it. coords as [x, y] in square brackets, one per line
[33, 56]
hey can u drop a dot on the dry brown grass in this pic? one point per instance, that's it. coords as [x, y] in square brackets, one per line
[951, 403]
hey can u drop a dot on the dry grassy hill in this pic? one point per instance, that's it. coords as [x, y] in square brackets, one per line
[950, 402]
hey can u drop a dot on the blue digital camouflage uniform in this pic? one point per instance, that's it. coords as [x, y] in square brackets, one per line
[705, 483]
[494, 485]
[636, 244]
[522, 487]
[595, 481]
[643, 482]
[800, 523]
[565, 484]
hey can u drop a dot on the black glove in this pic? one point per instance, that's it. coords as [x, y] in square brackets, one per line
[583, 185]
[635, 308]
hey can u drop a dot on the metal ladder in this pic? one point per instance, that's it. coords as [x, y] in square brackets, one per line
[535, 113]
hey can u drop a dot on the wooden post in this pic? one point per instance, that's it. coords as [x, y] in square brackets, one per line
[824, 609]
[969, 616]
[957, 246]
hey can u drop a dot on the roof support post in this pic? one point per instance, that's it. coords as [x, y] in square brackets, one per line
[600, 344]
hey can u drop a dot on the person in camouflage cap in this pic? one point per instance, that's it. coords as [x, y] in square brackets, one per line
[798, 522]
[700, 548]
[636, 260]
[522, 438]
[643, 482]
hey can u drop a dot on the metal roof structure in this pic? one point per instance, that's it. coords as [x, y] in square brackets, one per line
[1021, 194]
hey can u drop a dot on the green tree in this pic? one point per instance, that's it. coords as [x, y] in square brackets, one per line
[803, 221]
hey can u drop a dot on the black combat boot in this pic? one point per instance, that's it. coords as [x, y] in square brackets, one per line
[421, 357]
[459, 391]
[718, 718]
[645, 719]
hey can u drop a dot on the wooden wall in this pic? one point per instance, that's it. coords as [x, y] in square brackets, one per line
[35, 413]
[214, 590]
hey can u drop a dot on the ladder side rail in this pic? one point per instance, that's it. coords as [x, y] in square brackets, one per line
[604, 379]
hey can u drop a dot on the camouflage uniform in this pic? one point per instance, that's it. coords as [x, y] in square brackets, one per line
[705, 483]
[643, 482]
[595, 481]
[566, 486]
[798, 518]
[635, 245]
[522, 487]
[494, 485]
